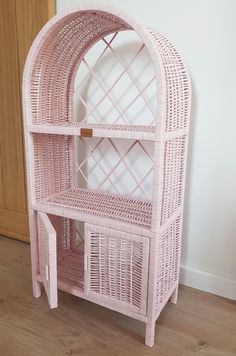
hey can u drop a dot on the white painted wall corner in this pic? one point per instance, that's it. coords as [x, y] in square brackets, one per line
[208, 282]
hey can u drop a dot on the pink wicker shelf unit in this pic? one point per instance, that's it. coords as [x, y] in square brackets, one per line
[106, 126]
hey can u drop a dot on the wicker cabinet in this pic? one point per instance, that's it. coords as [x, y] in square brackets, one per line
[106, 129]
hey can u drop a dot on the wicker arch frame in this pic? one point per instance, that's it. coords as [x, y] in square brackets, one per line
[170, 136]
[128, 23]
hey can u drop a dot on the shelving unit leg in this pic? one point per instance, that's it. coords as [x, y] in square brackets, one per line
[150, 333]
[36, 288]
[174, 296]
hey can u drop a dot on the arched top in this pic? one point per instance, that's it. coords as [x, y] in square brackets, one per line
[110, 17]
[62, 43]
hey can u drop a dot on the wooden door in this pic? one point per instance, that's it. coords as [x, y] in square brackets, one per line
[20, 21]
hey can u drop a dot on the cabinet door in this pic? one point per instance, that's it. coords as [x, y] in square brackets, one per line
[116, 269]
[47, 257]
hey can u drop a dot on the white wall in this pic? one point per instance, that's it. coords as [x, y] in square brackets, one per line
[204, 33]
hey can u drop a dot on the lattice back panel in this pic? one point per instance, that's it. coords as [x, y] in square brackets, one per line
[115, 83]
[110, 165]
[115, 166]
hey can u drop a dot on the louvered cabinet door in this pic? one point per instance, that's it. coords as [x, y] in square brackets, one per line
[116, 268]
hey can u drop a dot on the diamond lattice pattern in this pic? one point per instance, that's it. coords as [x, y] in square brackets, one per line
[115, 166]
[115, 83]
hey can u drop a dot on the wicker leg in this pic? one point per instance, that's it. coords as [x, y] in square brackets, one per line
[36, 288]
[174, 296]
[150, 333]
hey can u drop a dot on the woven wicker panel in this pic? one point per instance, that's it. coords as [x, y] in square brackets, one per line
[168, 259]
[178, 93]
[173, 176]
[105, 205]
[52, 164]
[68, 40]
[47, 257]
[117, 267]
[66, 233]
[70, 251]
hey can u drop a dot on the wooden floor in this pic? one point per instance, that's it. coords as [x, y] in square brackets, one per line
[200, 324]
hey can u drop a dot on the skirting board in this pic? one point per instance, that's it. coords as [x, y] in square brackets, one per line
[208, 282]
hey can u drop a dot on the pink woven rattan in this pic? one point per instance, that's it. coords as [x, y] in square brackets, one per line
[106, 211]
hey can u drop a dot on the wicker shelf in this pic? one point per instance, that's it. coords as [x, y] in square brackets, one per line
[95, 207]
[138, 132]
